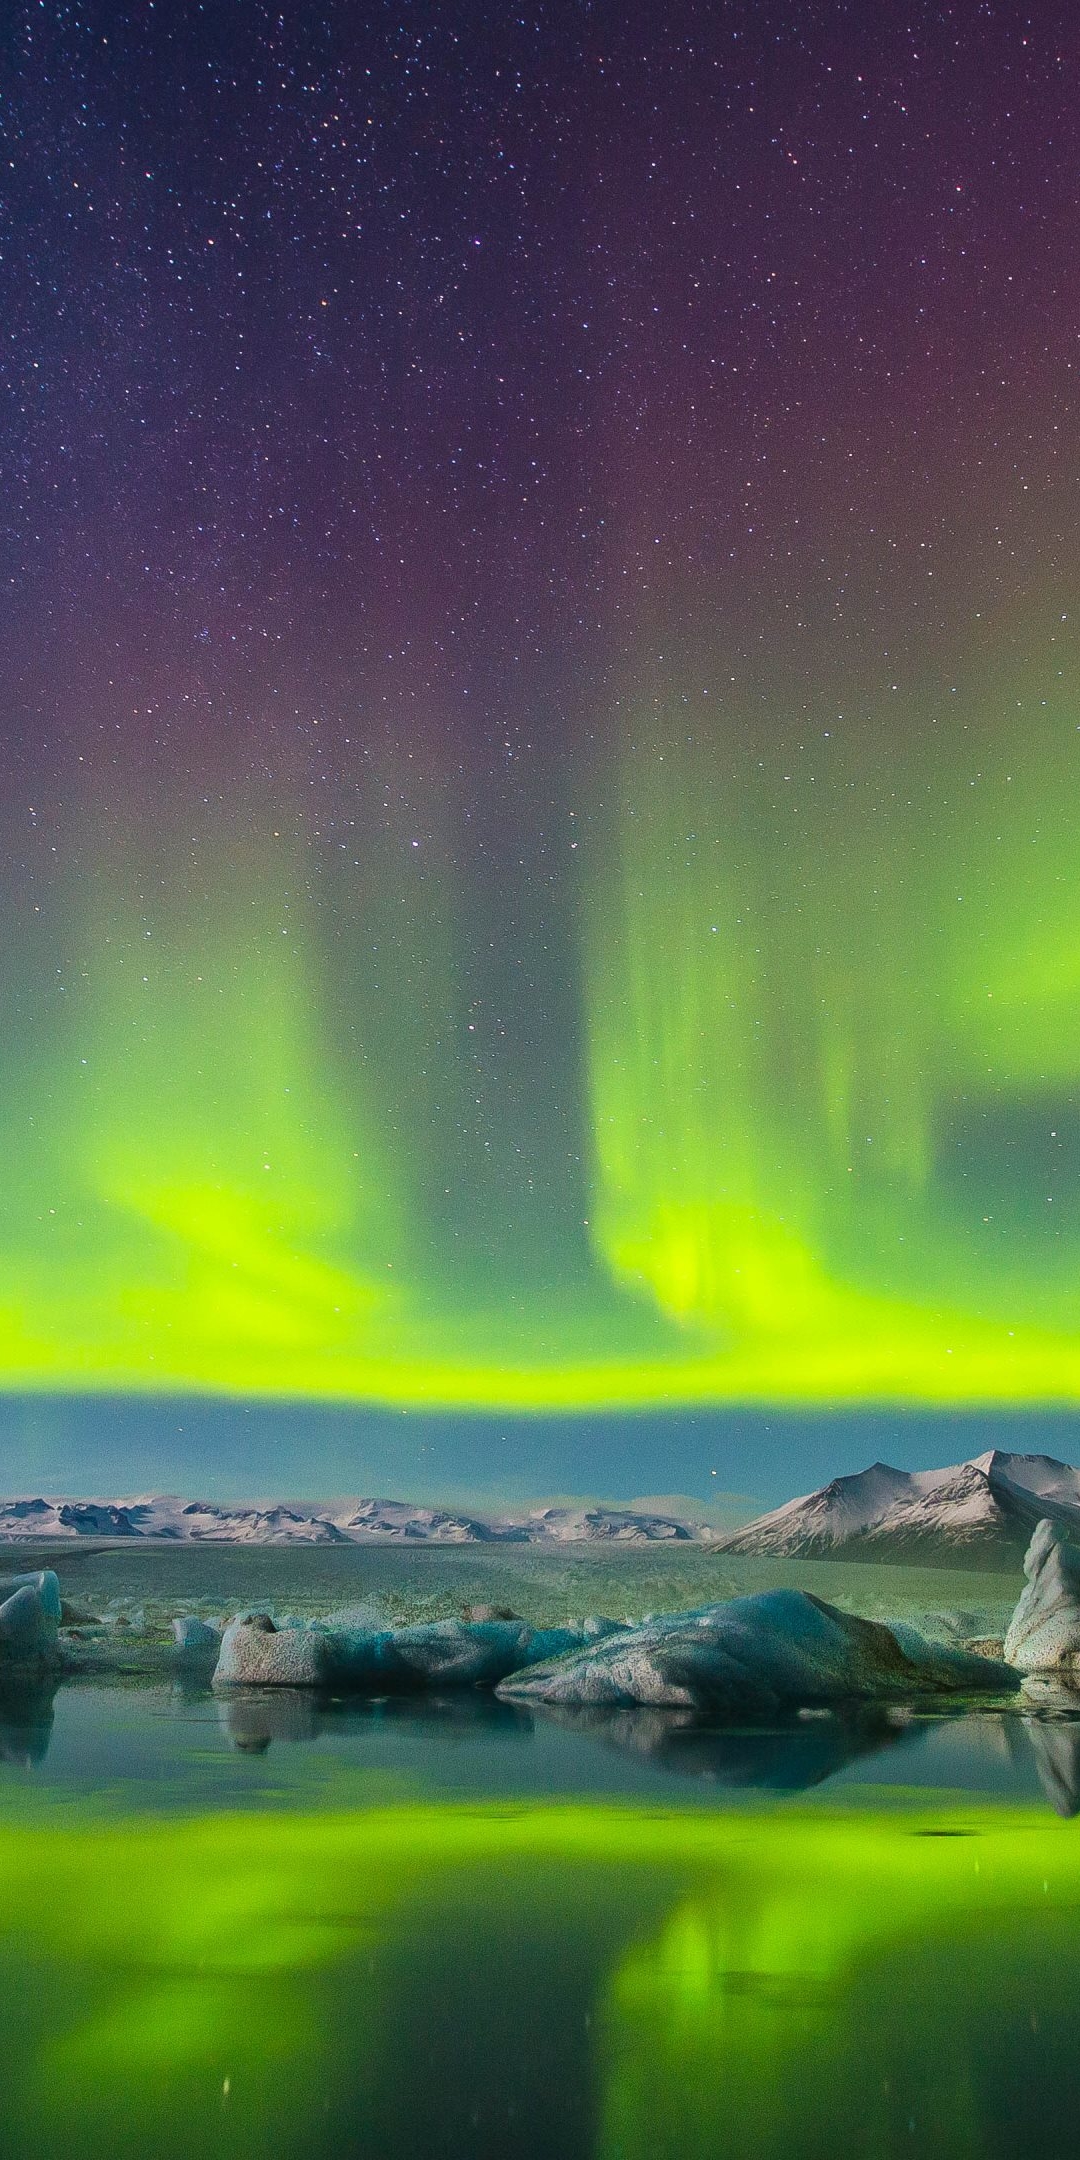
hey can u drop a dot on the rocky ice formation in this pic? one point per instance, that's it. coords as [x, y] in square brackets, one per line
[255, 1653]
[29, 1618]
[195, 1637]
[1044, 1632]
[756, 1656]
[749, 1657]
[432, 1654]
[982, 1510]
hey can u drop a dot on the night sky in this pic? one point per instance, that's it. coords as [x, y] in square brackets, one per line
[539, 715]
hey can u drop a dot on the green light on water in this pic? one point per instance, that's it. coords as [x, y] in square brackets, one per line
[743, 1977]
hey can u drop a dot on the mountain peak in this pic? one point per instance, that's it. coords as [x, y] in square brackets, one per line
[980, 1511]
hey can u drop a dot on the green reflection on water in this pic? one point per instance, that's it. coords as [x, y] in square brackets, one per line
[537, 1981]
[870, 1987]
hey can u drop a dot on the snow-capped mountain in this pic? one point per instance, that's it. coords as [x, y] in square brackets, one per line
[975, 1511]
[358, 1522]
[599, 1525]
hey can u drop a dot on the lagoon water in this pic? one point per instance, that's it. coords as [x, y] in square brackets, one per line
[454, 1930]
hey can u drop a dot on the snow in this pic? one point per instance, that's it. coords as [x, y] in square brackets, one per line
[993, 1497]
[356, 1522]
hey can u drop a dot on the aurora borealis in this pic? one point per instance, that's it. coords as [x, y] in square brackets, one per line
[762, 1973]
[540, 710]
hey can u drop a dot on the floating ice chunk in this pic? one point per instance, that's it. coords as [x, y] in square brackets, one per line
[1044, 1632]
[42, 1580]
[435, 1654]
[755, 1655]
[449, 1653]
[255, 1653]
[194, 1634]
[30, 1621]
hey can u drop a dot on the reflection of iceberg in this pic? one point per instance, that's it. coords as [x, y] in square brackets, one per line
[253, 1717]
[785, 1758]
[26, 1720]
[457, 1715]
[1056, 1747]
[259, 1715]
[1054, 1743]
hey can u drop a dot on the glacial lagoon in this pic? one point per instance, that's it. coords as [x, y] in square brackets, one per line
[281, 1924]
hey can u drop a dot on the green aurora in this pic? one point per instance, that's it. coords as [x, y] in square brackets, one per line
[812, 1136]
[248, 1977]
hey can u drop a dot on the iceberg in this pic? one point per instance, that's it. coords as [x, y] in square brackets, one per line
[29, 1617]
[754, 1656]
[436, 1654]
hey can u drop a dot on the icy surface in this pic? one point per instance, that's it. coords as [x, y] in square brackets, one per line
[758, 1655]
[29, 1618]
[1044, 1632]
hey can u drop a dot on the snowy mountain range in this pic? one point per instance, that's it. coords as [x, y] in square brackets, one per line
[357, 1522]
[977, 1512]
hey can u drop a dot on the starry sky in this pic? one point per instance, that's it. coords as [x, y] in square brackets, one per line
[539, 714]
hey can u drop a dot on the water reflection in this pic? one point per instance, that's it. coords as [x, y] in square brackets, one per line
[1055, 1744]
[583, 1982]
[919, 2001]
[177, 1742]
[26, 1720]
[791, 1757]
[254, 1717]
